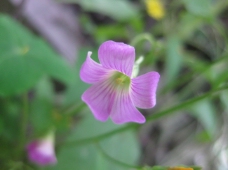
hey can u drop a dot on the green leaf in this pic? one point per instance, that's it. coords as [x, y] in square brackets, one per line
[77, 158]
[188, 24]
[173, 58]
[205, 113]
[42, 107]
[107, 32]
[44, 89]
[13, 33]
[219, 74]
[76, 88]
[122, 147]
[224, 99]
[10, 109]
[18, 74]
[85, 130]
[52, 64]
[24, 59]
[196, 168]
[199, 7]
[154, 168]
[1, 126]
[159, 168]
[118, 9]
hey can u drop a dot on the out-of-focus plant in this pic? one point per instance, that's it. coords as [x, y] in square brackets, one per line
[155, 9]
[188, 47]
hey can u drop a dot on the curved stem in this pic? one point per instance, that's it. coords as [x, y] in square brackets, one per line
[100, 137]
[141, 37]
[74, 109]
[153, 117]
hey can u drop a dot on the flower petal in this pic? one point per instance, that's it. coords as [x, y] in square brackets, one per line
[143, 90]
[124, 111]
[41, 153]
[99, 97]
[117, 56]
[92, 72]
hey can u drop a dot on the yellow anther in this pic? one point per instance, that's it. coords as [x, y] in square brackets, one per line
[119, 81]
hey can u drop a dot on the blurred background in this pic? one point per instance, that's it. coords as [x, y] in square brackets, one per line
[43, 44]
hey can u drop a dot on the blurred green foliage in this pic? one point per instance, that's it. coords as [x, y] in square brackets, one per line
[122, 147]
[188, 47]
[24, 59]
[119, 9]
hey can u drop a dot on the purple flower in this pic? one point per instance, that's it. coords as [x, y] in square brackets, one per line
[114, 92]
[42, 151]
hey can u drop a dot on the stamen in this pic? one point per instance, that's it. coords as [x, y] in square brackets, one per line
[121, 80]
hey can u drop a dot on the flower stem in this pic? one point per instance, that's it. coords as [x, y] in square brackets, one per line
[183, 105]
[23, 125]
[75, 109]
[156, 116]
[141, 37]
[100, 137]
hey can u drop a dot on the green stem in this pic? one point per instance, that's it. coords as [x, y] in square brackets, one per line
[218, 25]
[153, 117]
[123, 164]
[23, 125]
[183, 105]
[219, 7]
[74, 109]
[184, 92]
[141, 37]
[100, 137]
[191, 75]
